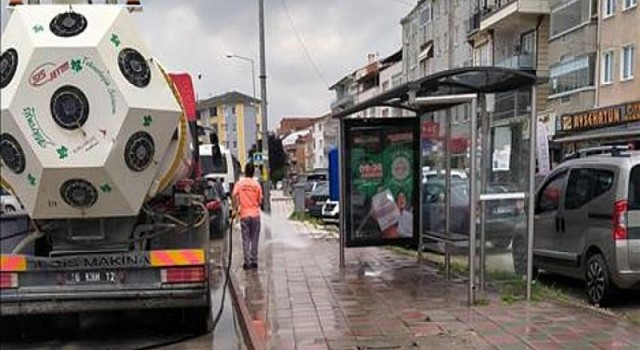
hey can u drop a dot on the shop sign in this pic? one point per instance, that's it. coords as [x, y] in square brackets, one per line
[602, 117]
[430, 130]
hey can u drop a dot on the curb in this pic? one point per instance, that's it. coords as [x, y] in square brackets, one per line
[251, 338]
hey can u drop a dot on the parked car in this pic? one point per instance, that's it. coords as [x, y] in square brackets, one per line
[217, 203]
[331, 212]
[8, 202]
[316, 199]
[587, 224]
[502, 220]
[431, 175]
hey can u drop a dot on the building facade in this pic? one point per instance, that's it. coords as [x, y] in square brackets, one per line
[235, 118]
[619, 66]
[324, 137]
[512, 34]
[291, 124]
[434, 38]
[597, 92]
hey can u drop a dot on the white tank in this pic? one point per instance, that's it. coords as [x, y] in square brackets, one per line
[88, 116]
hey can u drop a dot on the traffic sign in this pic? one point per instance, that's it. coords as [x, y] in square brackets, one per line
[258, 159]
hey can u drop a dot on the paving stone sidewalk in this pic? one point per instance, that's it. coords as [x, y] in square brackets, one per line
[299, 299]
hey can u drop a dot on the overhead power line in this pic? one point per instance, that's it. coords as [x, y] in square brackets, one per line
[304, 47]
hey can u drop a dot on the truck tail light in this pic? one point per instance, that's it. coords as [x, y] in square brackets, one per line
[620, 220]
[8, 280]
[183, 274]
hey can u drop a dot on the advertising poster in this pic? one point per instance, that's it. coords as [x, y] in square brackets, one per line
[382, 175]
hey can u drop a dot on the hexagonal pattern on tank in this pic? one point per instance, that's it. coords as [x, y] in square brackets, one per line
[87, 114]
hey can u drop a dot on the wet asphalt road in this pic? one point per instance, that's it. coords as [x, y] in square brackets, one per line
[160, 329]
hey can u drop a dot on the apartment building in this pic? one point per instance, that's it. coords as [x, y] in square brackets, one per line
[513, 34]
[434, 37]
[324, 135]
[595, 84]
[236, 118]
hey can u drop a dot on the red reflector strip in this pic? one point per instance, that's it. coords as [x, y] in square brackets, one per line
[183, 274]
[181, 257]
[8, 280]
[11, 263]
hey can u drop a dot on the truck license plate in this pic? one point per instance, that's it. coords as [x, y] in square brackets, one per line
[93, 277]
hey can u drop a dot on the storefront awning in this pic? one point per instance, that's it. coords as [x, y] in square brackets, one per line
[631, 130]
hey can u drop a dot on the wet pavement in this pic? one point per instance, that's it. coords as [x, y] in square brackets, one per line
[162, 329]
[299, 299]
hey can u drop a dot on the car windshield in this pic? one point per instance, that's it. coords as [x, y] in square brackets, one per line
[209, 166]
[322, 188]
[308, 187]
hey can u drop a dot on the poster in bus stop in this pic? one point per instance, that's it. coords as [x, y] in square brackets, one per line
[381, 182]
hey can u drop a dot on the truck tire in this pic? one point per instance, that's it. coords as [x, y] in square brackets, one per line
[199, 320]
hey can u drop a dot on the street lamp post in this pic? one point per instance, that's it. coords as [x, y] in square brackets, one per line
[263, 109]
[253, 69]
[265, 119]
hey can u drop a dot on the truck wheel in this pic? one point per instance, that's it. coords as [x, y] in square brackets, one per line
[11, 329]
[199, 320]
[598, 282]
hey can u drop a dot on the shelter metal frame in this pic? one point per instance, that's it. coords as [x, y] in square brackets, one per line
[438, 92]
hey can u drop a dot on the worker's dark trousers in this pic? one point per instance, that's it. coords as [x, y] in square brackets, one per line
[250, 237]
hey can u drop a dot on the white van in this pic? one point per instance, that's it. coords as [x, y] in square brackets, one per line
[224, 170]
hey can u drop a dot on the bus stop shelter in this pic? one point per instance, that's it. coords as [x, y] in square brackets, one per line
[439, 92]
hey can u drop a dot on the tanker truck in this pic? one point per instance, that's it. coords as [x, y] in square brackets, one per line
[96, 140]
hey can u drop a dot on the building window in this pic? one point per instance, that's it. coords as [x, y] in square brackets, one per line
[627, 62]
[213, 111]
[226, 128]
[607, 67]
[235, 144]
[629, 4]
[572, 74]
[234, 127]
[609, 8]
[570, 15]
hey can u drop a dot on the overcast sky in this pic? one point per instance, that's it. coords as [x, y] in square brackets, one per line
[195, 35]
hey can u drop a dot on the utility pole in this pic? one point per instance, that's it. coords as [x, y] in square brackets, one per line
[266, 180]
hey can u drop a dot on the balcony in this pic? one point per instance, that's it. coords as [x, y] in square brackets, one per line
[473, 24]
[512, 104]
[497, 11]
[342, 103]
[525, 61]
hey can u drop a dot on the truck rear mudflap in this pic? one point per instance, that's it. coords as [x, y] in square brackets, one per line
[116, 281]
